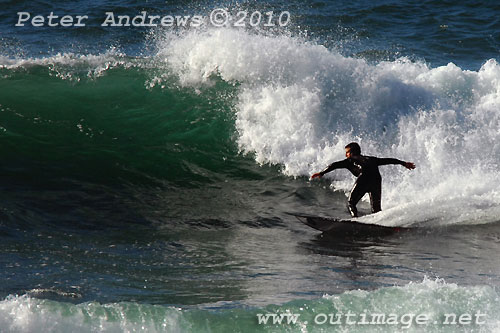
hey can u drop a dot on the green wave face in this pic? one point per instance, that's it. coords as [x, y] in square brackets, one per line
[59, 121]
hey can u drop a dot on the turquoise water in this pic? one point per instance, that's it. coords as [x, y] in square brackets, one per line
[147, 173]
[311, 316]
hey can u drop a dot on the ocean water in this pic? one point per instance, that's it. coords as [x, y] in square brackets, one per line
[147, 173]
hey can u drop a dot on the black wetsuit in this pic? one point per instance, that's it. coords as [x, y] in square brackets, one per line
[369, 179]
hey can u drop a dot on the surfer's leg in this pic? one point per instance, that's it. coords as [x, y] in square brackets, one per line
[357, 192]
[376, 197]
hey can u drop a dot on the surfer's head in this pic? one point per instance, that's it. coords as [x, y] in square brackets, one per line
[352, 149]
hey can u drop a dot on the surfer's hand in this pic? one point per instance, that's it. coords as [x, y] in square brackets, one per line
[316, 175]
[409, 165]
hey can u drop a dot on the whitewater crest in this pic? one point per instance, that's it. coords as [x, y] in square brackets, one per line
[299, 103]
[389, 309]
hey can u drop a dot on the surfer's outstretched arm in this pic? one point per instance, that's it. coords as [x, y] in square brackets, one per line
[331, 167]
[385, 161]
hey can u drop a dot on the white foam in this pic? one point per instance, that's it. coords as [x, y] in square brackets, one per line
[26, 314]
[434, 298]
[300, 103]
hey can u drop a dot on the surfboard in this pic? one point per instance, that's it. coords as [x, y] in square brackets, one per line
[343, 226]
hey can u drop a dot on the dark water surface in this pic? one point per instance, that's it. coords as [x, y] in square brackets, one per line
[147, 173]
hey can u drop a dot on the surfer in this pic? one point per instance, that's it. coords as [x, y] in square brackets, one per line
[369, 179]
